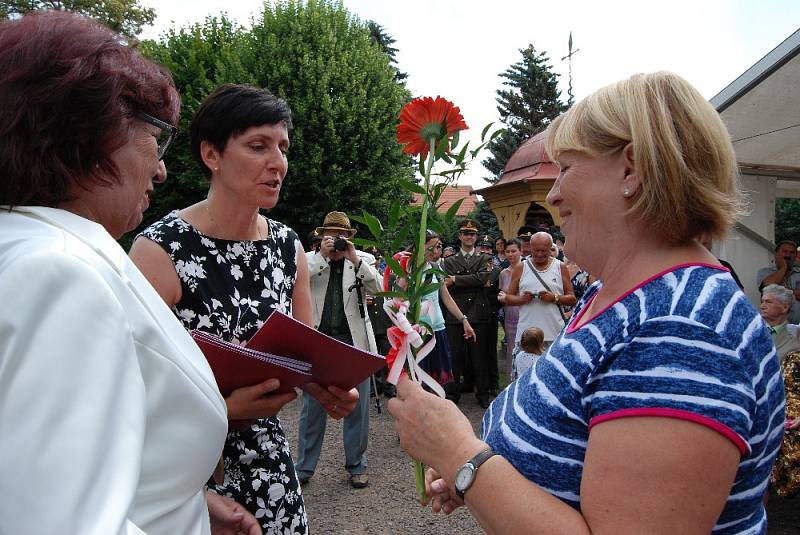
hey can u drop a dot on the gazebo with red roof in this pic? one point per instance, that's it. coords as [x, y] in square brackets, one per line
[518, 198]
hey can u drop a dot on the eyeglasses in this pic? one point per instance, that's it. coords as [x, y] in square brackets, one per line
[166, 136]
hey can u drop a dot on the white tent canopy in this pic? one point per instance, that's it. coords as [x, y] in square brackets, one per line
[761, 109]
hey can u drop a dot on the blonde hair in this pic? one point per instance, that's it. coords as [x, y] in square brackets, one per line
[532, 340]
[681, 150]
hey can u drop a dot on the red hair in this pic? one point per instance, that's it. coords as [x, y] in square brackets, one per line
[68, 87]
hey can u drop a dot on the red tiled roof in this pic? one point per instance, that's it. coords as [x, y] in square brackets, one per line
[450, 195]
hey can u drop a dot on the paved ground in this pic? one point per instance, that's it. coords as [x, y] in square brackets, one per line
[388, 505]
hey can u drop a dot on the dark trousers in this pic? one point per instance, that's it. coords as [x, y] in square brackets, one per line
[471, 360]
[494, 376]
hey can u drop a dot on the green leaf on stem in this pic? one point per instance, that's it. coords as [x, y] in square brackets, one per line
[412, 187]
[357, 218]
[373, 224]
[394, 214]
[428, 288]
[485, 129]
[451, 212]
[419, 478]
[437, 271]
[400, 238]
[441, 147]
[395, 266]
[427, 326]
[363, 242]
[454, 140]
[392, 295]
[436, 225]
[462, 154]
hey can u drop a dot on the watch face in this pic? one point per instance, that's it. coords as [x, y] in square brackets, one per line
[464, 476]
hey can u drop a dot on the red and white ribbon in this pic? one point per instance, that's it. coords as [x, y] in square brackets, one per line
[403, 336]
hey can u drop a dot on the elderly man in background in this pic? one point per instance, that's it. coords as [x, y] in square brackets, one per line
[785, 272]
[776, 302]
[541, 287]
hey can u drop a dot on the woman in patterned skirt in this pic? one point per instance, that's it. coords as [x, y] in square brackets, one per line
[224, 268]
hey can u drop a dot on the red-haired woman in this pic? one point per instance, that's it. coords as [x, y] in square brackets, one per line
[110, 418]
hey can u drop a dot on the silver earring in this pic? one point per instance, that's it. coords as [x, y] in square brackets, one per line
[626, 192]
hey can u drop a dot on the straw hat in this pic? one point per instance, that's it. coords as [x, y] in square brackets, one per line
[337, 221]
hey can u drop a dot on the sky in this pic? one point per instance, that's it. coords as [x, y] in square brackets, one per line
[458, 48]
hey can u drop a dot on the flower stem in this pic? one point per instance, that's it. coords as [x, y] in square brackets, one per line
[419, 261]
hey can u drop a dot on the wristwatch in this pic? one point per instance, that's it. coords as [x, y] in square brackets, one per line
[463, 318]
[466, 474]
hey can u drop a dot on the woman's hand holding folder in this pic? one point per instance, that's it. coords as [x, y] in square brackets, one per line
[257, 401]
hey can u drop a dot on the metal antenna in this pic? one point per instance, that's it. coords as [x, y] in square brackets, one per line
[569, 57]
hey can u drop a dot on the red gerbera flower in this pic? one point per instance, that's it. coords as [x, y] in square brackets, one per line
[426, 118]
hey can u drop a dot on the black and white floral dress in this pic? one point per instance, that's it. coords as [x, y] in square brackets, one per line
[229, 288]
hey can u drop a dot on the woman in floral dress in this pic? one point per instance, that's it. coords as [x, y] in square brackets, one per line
[224, 268]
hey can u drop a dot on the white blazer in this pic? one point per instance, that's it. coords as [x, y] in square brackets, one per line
[319, 273]
[110, 418]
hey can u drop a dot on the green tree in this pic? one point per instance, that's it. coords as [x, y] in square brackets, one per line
[787, 219]
[526, 107]
[124, 16]
[200, 57]
[344, 96]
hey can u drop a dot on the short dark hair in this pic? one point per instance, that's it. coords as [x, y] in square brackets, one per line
[785, 242]
[514, 241]
[230, 110]
[68, 87]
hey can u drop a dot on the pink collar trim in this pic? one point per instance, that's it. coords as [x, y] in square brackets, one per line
[573, 325]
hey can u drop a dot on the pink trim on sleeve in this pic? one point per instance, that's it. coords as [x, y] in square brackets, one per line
[576, 322]
[662, 412]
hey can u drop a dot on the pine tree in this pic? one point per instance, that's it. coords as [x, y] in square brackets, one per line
[526, 107]
[379, 36]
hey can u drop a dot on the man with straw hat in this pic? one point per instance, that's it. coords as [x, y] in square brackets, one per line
[340, 275]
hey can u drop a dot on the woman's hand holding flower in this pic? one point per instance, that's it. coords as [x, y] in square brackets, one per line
[337, 403]
[430, 426]
[441, 499]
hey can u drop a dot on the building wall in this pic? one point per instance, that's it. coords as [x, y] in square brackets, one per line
[746, 255]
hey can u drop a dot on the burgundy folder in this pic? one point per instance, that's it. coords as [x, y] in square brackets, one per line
[288, 350]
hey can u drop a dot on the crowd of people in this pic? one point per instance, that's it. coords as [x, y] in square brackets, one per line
[647, 394]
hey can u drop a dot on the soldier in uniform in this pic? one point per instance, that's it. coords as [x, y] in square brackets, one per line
[468, 274]
[491, 289]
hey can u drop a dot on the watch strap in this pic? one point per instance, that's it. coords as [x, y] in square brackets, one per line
[476, 463]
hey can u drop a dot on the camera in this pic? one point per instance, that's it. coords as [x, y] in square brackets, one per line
[340, 243]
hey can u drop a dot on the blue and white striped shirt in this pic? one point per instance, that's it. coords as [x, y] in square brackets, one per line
[684, 344]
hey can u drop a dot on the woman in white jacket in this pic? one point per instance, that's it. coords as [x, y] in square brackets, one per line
[110, 418]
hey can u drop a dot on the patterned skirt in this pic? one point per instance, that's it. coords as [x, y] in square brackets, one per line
[260, 475]
[439, 363]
